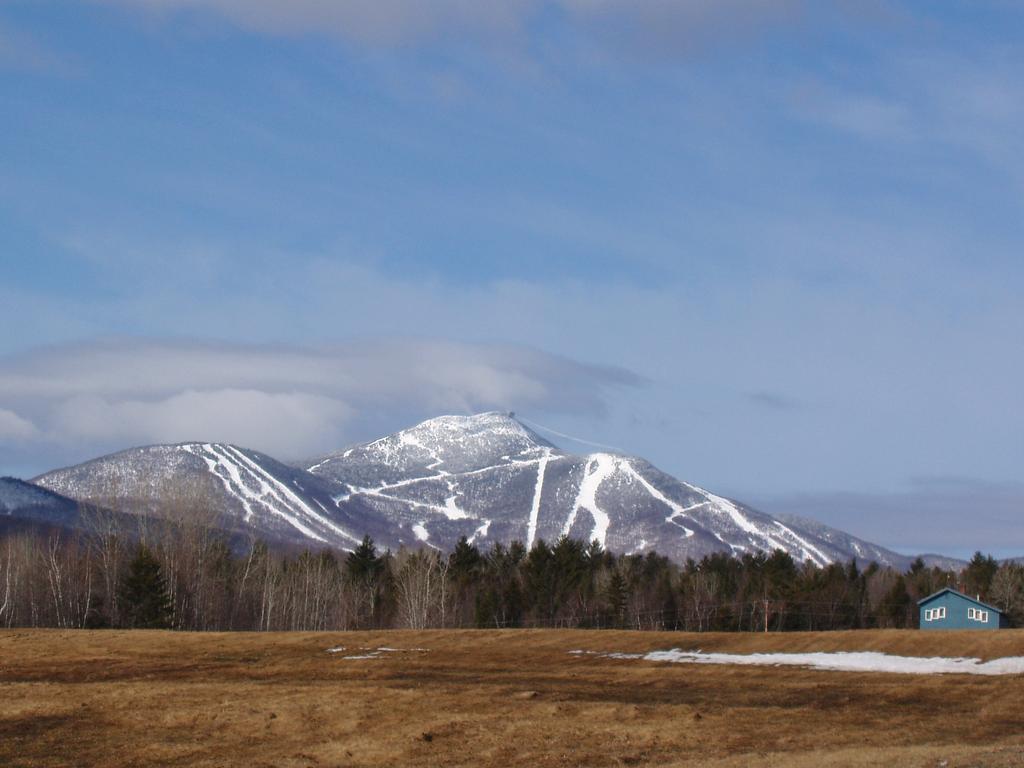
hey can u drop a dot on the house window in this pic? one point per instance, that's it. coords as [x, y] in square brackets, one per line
[972, 613]
[932, 614]
[977, 615]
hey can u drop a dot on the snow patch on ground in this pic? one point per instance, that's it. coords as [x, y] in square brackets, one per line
[840, 661]
[372, 653]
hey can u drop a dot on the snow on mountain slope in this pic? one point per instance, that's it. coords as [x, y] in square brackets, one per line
[250, 492]
[491, 479]
[487, 477]
[438, 447]
[865, 550]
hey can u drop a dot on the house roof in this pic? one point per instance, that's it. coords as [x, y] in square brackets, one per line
[957, 592]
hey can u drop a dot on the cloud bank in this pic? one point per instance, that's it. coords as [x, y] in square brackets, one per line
[289, 401]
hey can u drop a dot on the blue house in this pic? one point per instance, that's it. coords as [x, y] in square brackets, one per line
[950, 609]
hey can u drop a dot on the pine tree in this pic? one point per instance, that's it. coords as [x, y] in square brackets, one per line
[616, 596]
[979, 573]
[363, 563]
[898, 607]
[144, 600]
[366, 572]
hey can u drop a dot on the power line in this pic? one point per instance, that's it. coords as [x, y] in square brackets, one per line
[542, 428]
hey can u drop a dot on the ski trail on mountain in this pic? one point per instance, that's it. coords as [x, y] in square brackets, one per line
[227, 461]
[451, 512]
[382, 489]
[542, 465]
[599, 467]
[233, 476]
[812, 552]
[319, 464]
[289, 494]
[678, 510]
[724, 506]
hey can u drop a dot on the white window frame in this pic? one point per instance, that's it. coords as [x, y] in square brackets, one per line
[976, 614]
[972, 613]
[934, 614]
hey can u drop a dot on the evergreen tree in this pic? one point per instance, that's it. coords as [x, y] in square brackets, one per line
[616, 596]
[499, 600]
[465, 560]
[897, 606]
[366, 571]
[979, 574]
[144, 600]
[363, 563]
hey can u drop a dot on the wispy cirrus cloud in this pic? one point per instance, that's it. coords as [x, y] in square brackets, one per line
[15, 427]
[287, 400]
[383, 22]
[395, 22]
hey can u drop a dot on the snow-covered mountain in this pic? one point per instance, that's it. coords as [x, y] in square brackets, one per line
[490, 478]
[247, 491]
[487, 477]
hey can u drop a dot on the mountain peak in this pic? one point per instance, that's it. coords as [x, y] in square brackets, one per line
[494, 426]
[439, 446]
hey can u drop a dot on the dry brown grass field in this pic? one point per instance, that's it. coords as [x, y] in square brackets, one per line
[493, 698]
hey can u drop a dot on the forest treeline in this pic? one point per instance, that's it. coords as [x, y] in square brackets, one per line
[188, 576]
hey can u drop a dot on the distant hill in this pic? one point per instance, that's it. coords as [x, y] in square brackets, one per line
[32, 502]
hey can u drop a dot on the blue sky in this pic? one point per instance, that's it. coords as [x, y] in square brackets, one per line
[773, 246]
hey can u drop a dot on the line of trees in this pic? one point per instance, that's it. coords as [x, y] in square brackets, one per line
[187, 576]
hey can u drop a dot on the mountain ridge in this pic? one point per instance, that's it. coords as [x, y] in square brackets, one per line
[487, 477]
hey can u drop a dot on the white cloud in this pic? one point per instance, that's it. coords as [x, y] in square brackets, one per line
[288, 423]
[15, 427]
[868, 116]
[286, 400]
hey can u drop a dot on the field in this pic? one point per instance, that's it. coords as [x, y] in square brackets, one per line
[493, 698]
